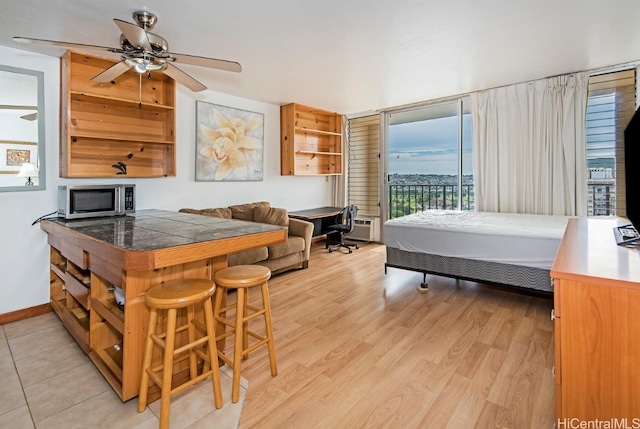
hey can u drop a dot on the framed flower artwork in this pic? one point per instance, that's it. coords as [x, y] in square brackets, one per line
[229, 144]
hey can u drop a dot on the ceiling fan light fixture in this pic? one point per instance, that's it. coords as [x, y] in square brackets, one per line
[144, 65]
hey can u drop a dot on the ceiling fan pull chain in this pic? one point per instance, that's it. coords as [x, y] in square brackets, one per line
[140, 93]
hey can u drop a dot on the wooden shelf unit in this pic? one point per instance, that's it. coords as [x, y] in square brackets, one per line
[129, 119]
[69, 296]
[310, 141]
[107, 336]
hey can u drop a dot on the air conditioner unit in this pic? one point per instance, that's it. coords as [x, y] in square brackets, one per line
[362, 230]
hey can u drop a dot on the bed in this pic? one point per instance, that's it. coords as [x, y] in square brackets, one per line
[510, 249]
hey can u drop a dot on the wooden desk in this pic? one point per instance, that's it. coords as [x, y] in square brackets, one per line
[321, 217]
[597, 324]
[134, 252]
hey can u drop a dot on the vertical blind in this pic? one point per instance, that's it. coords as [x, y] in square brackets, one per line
[363, 164]
[610, 107]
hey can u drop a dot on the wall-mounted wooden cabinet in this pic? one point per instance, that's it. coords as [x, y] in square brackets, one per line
[130, 120]
[310, 141]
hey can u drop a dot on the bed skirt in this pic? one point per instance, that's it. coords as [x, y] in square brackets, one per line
[470, 269]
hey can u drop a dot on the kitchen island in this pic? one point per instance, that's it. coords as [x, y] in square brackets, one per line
[92, 257]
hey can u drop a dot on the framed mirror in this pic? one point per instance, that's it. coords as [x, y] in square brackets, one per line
[22, 161]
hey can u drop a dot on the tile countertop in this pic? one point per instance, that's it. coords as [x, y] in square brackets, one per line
[159, 229]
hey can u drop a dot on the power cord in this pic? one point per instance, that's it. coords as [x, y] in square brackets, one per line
[45, 217]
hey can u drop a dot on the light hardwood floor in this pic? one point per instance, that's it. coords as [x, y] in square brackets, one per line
[356, 349]
[360, 349]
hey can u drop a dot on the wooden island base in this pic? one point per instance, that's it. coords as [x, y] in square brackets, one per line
[91, 257]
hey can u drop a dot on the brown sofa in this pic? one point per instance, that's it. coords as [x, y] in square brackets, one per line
[294, 253]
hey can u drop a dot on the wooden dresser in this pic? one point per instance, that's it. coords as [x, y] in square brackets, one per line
[597, 324]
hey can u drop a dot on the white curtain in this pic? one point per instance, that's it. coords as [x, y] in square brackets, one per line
[529, 147]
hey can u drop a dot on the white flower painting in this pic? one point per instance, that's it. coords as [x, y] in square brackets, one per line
[229, 144]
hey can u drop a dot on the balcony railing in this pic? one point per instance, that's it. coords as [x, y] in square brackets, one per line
[409, 199]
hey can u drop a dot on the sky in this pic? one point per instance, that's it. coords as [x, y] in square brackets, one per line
[429, 147]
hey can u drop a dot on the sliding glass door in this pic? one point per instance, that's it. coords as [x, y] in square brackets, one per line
[430, 159]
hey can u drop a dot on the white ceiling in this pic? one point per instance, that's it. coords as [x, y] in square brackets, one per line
[354, 56]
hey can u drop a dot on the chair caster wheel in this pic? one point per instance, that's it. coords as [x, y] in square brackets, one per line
[357, 247]
[330, 250]
[423, 287]
[350, 251]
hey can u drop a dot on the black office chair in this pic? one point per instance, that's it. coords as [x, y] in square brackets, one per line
[347, 218]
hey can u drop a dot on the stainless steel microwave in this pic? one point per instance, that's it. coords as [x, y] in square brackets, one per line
[76, 202]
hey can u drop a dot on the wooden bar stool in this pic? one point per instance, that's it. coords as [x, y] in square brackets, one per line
[241, 278]
[172, 296]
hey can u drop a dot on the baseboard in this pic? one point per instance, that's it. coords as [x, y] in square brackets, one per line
[25, 313]
[318, 238]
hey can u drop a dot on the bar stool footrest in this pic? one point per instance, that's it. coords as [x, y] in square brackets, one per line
[225, 358]
[251, 348]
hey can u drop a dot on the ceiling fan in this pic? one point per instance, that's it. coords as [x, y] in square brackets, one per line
[145, 52]
[28, 116]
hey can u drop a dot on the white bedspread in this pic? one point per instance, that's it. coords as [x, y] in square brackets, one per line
[519, 239]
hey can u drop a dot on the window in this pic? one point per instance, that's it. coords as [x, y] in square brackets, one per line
[430, 159]
[363, 171]
[610, 106]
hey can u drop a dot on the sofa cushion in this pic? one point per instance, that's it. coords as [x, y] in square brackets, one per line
[245, 211]
[248, 257]
[192, 211]
[271, 215]
[223, 212]
[292, 245]
[282, 264]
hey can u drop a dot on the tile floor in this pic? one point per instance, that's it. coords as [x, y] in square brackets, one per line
[46, 381]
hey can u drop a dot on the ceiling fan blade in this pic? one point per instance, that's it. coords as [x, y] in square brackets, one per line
[207, 62]
[17, 107]
[112, 72]
[183, 78]
[67, 45]
[30, 116]
[134, 34]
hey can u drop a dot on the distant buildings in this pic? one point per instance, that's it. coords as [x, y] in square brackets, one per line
[416, 192]
[412, 193]
[601, 187]
[428, 179]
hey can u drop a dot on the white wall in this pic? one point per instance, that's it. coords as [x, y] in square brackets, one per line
[24, 253]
